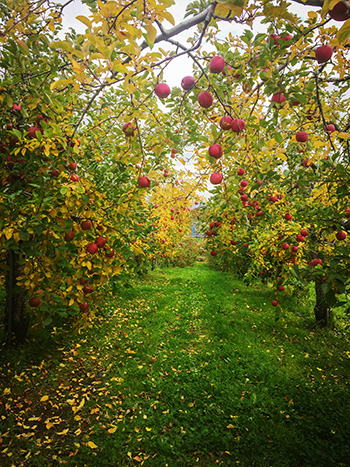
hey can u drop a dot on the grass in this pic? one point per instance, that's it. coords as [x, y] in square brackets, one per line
[189, 368]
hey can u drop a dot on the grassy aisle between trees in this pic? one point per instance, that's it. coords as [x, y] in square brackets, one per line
[191, 368]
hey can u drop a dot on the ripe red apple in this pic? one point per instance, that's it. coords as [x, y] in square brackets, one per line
[144, 182]
[288, 37]
[347, 212]
[225, 122]
[315, 262]
[87, 289]
[33, 130]
[68, 236]
[237, 125]
[288, 216]
[274, 38]
[162, 90]
[245, 244]
[341, 235]
[278, 98]
[196, 202]
[72, 165]
[240, 171]
[92, 248]
[54, 173]
[340, 12]
[74, 178]
[213, 253]
[41, 118]
[217, 64]
[215, 150]
[285, 246]
[109, 253]
[100, 242]
[295, 249]
[274, 302]
[209, 233]
[187, 83]
[234, 242]
[294, 101]
[330, 128]
[85, 225]
[83, 306]
[244, 183]
[300, 238]
[216, 178]
[16, 107]
[174, 151]
[205, 99]
[301, 136]
[304, 232]
[280, 288]
[324, 53]
[34, 302]
[128, 129]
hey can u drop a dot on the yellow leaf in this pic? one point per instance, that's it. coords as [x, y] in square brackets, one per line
[49, 425]
[44, 398]
[112, 430]
[92, 445]
[148, 429]
[71, 302]
[169, 17]
[84, 20]
[344, 135]
[151, 33]
[137, 429]
[230, 426]
[344, 32]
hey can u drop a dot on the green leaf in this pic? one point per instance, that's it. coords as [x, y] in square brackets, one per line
[63, 190]
[344, 32]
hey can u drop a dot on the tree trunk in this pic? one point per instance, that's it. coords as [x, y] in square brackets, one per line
[323, 312]
[16, 317]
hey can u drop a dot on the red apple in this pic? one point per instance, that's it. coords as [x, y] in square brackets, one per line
[86, 289]
[301, 136]
[278, 98]
[216, 178]
[285, 246]
[288, 216]
[288, 37]
[304, 232]
[244, 183]
[237, 125]
[16, 107]
[341, 235]
[274, 302]
[72, 165]
[68, 236]
[274, 38]
[83, 306]
[128, 129]
[215, 150]
[162, 90]
[225, 122]
[144, 182]
[217, 64]
[330, 128]
[300, 238]
[306, 162]
[85, 225]
[205, 99]
[34, 302]
[340, 12]
[187, 82]
[174, 151]
[196, 202]
[213, 253]
[100, 242]
[74, 178]
[33, 130]
[234, 242]
[54, 173]
[295, 249]
[347, 212]
[92, 248]
[109, 253]
[41, 118]
[209, 233]
[240, 171]
[324, 53]
[280, 288]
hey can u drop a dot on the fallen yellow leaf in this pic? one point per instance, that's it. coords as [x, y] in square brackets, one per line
[92, 445]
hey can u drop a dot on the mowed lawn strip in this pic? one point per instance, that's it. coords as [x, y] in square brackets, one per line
[190, 367]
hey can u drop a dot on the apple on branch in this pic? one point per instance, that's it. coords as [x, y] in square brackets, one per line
[162, 90]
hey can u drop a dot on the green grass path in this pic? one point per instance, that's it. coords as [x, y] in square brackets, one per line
[190, 368]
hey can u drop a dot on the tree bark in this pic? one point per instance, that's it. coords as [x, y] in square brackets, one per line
[323, 312]
[16, 317]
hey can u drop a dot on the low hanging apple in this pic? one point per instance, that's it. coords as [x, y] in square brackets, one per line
[92, 248]
[237, 125]
[34, 302]
[341, 235]
[240, 171]
[86, 225]
[68, 236]
[278, 98]
[301, 136]
[162, 90]
[217, 64]
[205, 99]
[187, 83]
[324, 53]
[144, 182]
[225, 122]
[215, 150]
[340, 12]
[216, 178]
